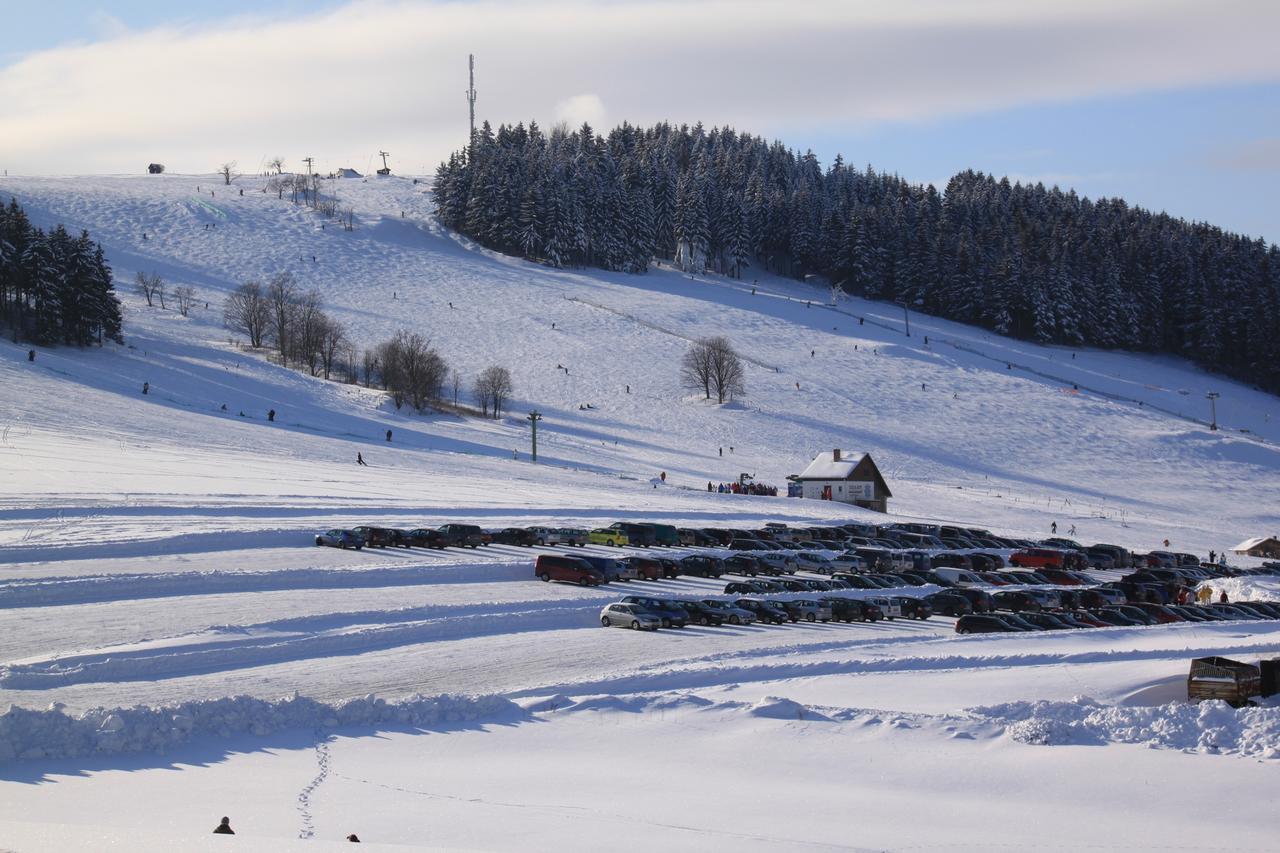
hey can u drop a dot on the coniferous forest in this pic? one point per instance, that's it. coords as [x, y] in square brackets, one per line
[1035, 263]
[54, 288]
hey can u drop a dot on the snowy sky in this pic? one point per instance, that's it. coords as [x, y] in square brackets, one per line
[1169, 103]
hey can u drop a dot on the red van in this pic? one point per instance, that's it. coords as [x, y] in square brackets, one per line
[560, 567]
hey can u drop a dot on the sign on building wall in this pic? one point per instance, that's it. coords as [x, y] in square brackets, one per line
[860, 491]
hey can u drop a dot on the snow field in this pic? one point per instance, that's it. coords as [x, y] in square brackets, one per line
[159, 593]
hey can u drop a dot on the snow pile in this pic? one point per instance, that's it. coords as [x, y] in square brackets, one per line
[52, 733]
[1212, 727]
[1248, 588]
[778, 708]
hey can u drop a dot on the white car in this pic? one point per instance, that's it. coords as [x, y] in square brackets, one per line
[887, 606]
[631, 616]
[849, 561]
[545, 535]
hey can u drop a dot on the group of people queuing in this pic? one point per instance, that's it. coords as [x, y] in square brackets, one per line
[736, 488]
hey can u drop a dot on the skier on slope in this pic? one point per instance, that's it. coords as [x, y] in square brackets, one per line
[224, 827]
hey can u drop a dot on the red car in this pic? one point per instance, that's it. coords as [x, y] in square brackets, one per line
[1038, 558]
[646, 569]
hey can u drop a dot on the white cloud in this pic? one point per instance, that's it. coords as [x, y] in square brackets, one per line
[376, 73]
[582, 108]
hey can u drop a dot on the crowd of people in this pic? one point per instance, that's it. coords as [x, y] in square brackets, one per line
[736, 488]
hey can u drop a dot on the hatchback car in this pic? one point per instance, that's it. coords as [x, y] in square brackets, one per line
[338, 538]
[629, 616]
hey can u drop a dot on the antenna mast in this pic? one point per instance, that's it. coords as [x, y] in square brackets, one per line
[471, 97]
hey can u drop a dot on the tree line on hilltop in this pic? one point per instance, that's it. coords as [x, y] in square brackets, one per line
[1022, 260]
[54, 288]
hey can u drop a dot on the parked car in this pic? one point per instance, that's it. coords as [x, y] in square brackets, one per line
[730, 613]
[543, 536]
[463, 535]
[699, 612]
[374, 537]
[984, 624]
[949, 604]
[645, 569]
[612, 569]
[702, 566]
[815, 561]
[743, 588]
[629, 616]
[338, 538]
[560, 567]
[608, 536]
[765, 611]
[911, 607]
[425, 537]
[573, 536]
[980, 599]
[807, 609]
[887, 606]
[1015, 601]
[629, 533]
[852, 609]
[672, 616]
[513, 536]
[741, 564]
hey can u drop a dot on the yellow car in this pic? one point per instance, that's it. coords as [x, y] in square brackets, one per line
[606, 536]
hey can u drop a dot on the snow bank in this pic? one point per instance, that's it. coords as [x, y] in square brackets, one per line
[1248, 588]
[1212, 727]
[52, 733]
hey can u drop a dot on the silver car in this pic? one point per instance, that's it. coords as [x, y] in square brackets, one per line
[631, 616]
[731, 614]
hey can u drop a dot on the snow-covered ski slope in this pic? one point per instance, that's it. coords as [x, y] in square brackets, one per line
[156, 549]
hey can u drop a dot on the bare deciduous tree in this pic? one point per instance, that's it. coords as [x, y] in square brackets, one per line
[333, 343]
[228, 172]
[455, 379]
[184, 297]
[411, 370]
[307, 327]
[712, 366]
[276, 164]
[151, 285]
[282, 296]
[493, 388]
[247, 311]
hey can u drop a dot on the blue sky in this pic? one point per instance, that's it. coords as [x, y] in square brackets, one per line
[1171, 104]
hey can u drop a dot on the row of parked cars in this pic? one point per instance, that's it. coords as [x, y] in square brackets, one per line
[641, 612]
[1144, 613]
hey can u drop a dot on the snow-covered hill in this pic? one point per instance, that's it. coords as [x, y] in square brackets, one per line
[155, 548]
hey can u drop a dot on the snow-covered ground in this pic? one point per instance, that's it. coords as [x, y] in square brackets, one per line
[155, 550]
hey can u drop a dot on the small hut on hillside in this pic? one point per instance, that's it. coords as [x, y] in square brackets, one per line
[849, 478]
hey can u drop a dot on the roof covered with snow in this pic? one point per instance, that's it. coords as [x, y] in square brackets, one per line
[825, 466]
[1250, 544]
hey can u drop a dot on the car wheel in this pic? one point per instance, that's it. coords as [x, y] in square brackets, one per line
[635, 626]
[962, 630]
[542, 543]
[604, 620]
[809, 617]
[583, 582]
[545, 576]
[793, 618]
[318, 542]
[704, 621]
[735, 619]
[358, 547]
[666, 623]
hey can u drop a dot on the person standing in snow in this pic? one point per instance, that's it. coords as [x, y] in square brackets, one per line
[31, 356]
[146, 388]
[1212, 554]
[271, 416]
[353, 837]
[1205, 594]
[224, 827]
[1053, 528]
[1072, 531]
[360, 460]
[1222, 599]
[388, 435]
[709, 489]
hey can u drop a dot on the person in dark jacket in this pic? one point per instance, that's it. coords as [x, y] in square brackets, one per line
[271, 416]
[224, 828]
[360, 460]
[353, 837]
[31, 356]
[1222, 599]
[388, 435]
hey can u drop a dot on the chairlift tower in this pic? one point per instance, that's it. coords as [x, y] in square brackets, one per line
[385, 170]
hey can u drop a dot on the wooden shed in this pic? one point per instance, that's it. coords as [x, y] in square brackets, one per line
[850, 478]
[1260, 546]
